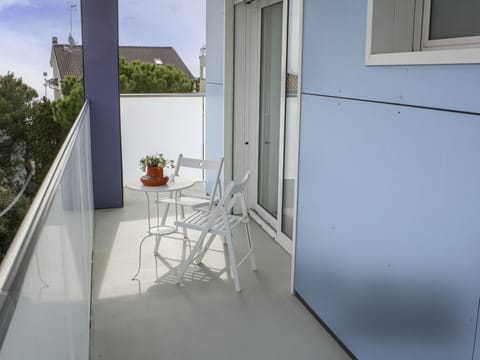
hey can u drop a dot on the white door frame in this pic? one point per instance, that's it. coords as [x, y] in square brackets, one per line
[247, 153]
[275, 223]
[229, 111]
[281, 238]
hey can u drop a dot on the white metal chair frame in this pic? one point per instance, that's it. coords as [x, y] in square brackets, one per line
[219, 221]
[194, 202]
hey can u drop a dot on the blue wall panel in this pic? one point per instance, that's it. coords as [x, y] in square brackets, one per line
[215, 40]
[214, 83]
[213, 125]
[334, 64]
[388, 250]
[100, 67]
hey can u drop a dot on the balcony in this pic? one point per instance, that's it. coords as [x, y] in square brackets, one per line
[46, 276]
[204, 318]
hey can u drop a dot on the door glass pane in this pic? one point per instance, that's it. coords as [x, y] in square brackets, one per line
[240, 129]
[291, 118]
[270, 86]
[451, 19]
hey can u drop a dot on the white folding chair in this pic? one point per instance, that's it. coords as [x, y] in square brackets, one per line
[219, 221]
[193, 201]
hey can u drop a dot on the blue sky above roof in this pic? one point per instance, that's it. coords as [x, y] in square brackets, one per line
[27, 26]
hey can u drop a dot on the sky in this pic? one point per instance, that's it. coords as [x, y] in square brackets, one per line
[27, 27]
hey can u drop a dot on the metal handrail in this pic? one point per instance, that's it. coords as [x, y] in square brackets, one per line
[16, 260]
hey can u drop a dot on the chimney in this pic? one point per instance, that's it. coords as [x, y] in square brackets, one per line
[54, 40]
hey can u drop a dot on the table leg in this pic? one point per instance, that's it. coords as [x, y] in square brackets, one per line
[148, 211]
[157, 237]
[140, 256]
[176, 210]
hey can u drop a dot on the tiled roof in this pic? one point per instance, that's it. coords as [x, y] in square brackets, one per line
[70, 59]
[166, 54]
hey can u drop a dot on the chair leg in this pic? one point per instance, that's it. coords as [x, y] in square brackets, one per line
[233, 261]
[250, 247]
[199, 258]
[191, 256]
[165, 214]
[162, 223]
[182, 212]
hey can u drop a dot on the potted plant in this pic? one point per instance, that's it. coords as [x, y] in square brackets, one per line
[154, 165]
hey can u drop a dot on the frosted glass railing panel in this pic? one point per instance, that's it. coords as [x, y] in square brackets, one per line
[168, 124]
[52, 314]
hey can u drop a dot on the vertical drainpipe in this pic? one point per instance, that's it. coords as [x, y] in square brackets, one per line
[100, 71]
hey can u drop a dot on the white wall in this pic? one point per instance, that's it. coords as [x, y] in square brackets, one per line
[168, 124]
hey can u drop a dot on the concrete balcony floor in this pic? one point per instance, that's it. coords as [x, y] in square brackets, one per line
[204, 318]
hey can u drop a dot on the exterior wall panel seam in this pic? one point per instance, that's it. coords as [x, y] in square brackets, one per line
[392, 103]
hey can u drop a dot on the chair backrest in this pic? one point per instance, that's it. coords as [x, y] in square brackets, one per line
[214, 165]
[235, 192]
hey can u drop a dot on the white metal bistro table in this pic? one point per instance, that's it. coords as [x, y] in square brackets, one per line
[158, 229]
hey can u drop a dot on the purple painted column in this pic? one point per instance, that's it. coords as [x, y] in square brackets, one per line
[100, 68]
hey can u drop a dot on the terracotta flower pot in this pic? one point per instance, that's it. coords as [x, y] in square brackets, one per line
[154, 177]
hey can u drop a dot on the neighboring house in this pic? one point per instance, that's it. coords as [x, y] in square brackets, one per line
[203, 69]
[67, 60]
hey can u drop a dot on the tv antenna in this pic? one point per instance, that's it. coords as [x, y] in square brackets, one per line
[72, 7]
[71, 41]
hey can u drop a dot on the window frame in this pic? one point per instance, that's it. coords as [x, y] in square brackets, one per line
[453, 43]
[443, 51]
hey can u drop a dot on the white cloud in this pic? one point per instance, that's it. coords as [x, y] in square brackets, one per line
[26, 47]
[28, 56]
[9, 3]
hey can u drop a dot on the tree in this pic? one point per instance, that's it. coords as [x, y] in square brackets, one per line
[44, 138]
[16, 99]
[29, 131]
[139, 77]
[10, 222]
[66, 110]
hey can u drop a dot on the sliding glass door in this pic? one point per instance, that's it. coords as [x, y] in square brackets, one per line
[266, 111]
[291, 124]
[269, 119]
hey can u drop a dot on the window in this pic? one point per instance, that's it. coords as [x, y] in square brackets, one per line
[423, 32]
[158, 61]
[452, 23]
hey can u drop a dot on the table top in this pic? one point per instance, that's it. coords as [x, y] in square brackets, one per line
[175, 184]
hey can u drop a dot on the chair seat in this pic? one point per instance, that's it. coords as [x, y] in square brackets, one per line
[194, 202]
[198, 220]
